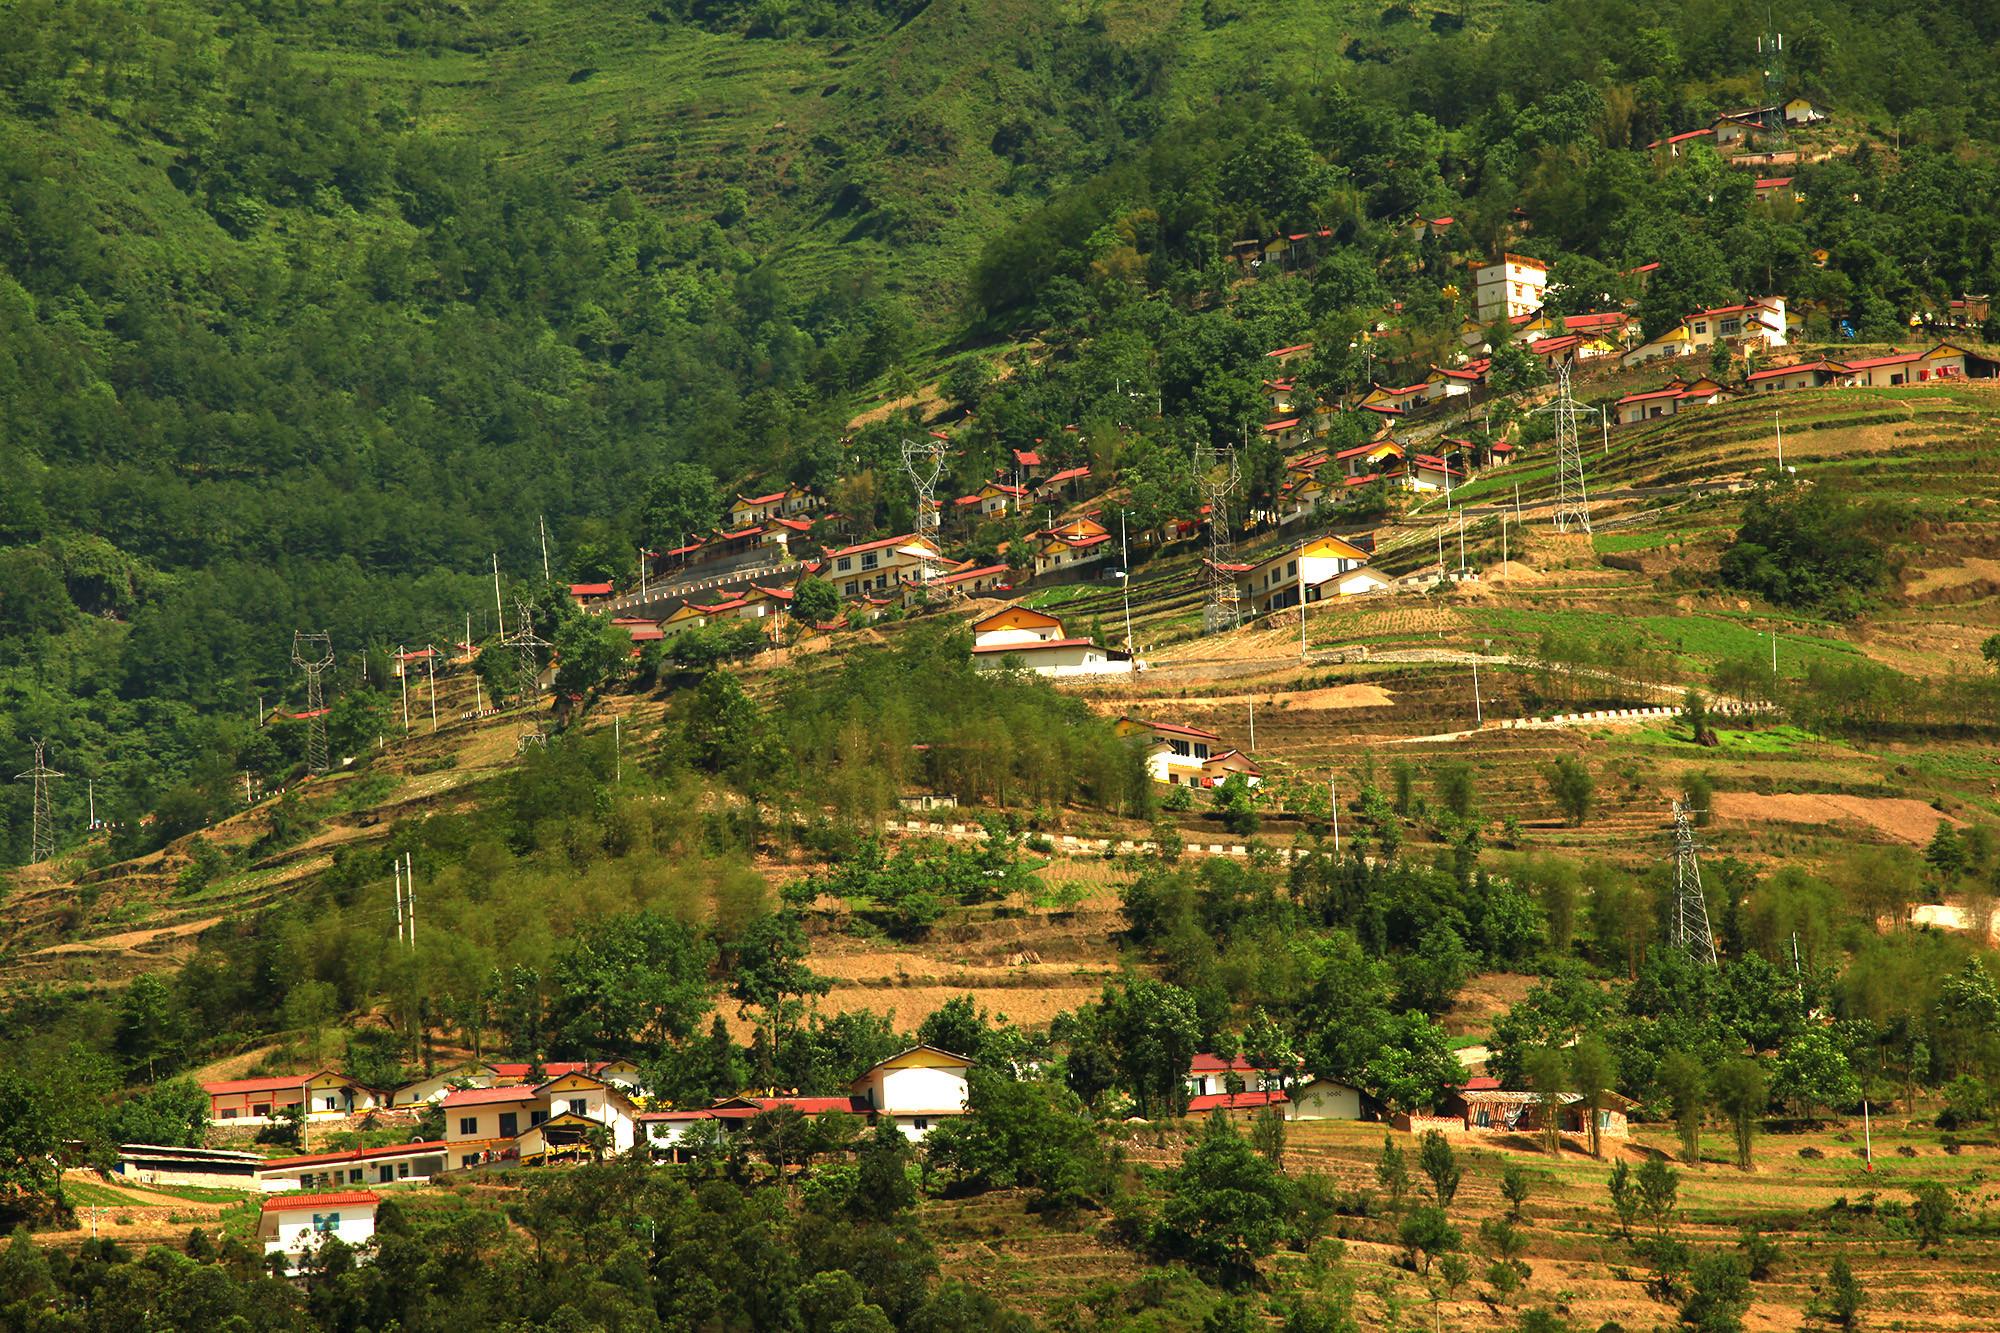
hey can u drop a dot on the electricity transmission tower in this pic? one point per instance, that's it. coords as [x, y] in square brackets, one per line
[1691, 931]
[42, 834]
[312, 654]
[1572, 504]
[924, 461]
[529, 645]
[1219, 478]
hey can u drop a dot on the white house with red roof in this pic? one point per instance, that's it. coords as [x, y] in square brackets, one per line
[1210, 1074]
[1946, 361]
[1804, 375]
[1670, 399]
[483, 1124]
[296, 1225]
[1036, 641]
[913, 1089]
[1183, 756]
[392, 1164]
[325, 1094]
[874, 567]
[588, 595]
[1080, 541]
[1314, 566]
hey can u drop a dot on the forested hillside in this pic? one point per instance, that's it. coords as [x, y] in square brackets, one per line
[309, 311]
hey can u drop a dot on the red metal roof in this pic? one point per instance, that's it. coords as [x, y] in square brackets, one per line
[875, 545]
[1898, 359]
[1287, 351]
[1773, 182]
[1027, 458]
[589, 589]
[507, 1092]
[294, 1203]
[1174, 729]
[270, 1083]
[1286, 424]
[1234, 1101]
[773, 498]
[1038, 645]
[1215, 1064]
[1067, 474]
[1772, 372]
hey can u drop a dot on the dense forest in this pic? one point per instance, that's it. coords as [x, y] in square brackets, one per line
[284, 350]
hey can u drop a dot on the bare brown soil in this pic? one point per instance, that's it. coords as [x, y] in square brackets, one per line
[1901, 818]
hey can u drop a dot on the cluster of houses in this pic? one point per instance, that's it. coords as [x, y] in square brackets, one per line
[1752, 137]
[1941, 363]
[510, 1115]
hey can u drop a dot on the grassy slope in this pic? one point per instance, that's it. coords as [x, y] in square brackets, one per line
[606, 98]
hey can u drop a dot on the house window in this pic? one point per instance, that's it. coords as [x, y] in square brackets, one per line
[920, 1124]
[869, 561]
[578, 1106]
[383, 1174]
[1200, 750]
[468, 1159]
[402, 1170]
[1701, 328]
[536, 1118]
[852, 587]
[323, 1223]
[468, 1125]
[846, 563]
[261, 1108]
[510, 1124]
[354, 1175]
[228, 1114]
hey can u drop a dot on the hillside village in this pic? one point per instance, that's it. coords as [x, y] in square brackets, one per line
[1386, 756]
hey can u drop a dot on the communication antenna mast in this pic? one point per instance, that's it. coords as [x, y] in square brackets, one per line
[312, 654]
[1771, 54]
[1691, 931]
[924, 461]
[1220, 474]
[1572, 504]
[42, 834]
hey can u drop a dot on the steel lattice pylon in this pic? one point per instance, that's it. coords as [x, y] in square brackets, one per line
[1691, 931]
[42, 833]
[1220, 475]
[524, 640]
[312, 654]
[1572, 503]
[924, 461]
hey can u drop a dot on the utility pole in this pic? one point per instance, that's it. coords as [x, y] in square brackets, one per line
[1779, 422]
[1125, 562]
[403, 679]
[410, 888]
[543, 524]
[1478, 708]
[248, 798]
[90, 790]
[1302, 602]
[1461, 541]
[1333, 804]
[42, 831]
[1253, 726]
[499, 618]
[396, 873]
[617, 750]
[430, 669]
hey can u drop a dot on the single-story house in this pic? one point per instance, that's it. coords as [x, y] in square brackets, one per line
[1946, 361]
[325, 1093]
[1209, 1074]
[1324, 1099]
[1805, 375]
[209, 1168]
[387, 1165]
[296, 1225]
[1175, 755]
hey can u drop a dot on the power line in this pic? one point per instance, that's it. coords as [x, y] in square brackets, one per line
[42, 832]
